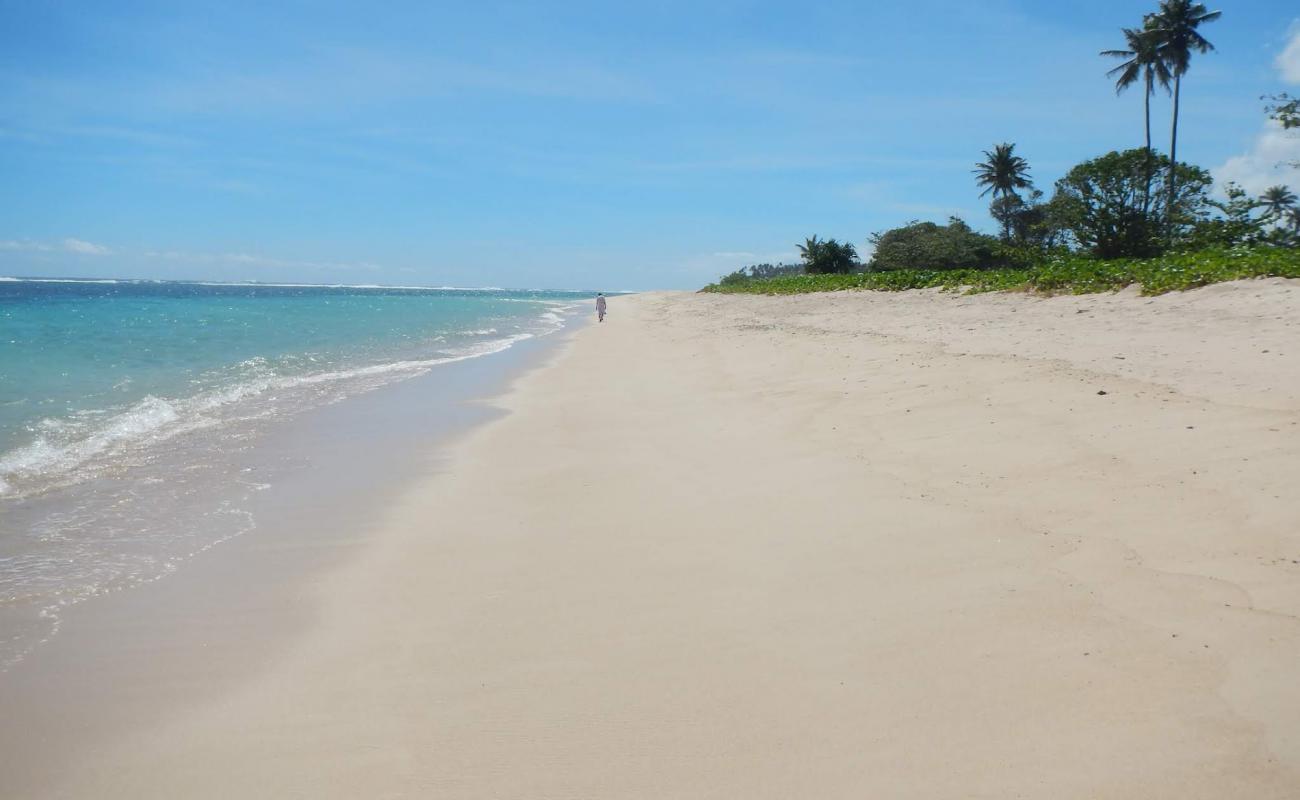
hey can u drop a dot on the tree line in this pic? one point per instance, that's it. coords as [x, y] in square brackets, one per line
[1135, 203]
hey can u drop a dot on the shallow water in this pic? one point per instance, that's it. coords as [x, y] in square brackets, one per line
[128, 411]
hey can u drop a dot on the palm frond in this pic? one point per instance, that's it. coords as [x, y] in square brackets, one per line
[1002, 172]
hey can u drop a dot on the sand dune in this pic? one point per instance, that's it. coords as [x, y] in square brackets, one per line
[908, 546]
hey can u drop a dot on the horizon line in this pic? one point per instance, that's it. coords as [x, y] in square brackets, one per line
[296, 284]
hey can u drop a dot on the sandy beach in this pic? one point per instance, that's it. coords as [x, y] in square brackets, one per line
[915, 545]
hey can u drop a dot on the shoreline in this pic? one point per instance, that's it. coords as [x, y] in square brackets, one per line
[123, 456]
[186, 637]
[831, 546]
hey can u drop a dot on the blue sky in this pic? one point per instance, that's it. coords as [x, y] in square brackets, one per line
[593, 145]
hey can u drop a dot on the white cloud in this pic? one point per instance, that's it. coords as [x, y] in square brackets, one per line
[82, 247]
[1275, 152]
[68, 245]
[255, 260]
[1288, 61]
[24, 245]
[1268, 163]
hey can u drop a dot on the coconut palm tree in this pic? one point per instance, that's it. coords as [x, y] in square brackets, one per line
[811, 248]
[1141, 61]
[1174, 27]
[827, 256]
[1002, 172]
[1278, 202]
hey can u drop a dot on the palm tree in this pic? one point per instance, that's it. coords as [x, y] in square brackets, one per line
[827, 255]
[811, 249]
[1174, 27]
[1002, 172]
[1277, 201]
[1141, 60]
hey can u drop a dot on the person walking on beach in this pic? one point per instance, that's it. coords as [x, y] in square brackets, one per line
[600, 307]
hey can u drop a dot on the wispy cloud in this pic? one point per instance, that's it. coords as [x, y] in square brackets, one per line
[346, 79]
[1273, 156]
[24, 246]
[131, 135]
[1269, 161]
[1288, 61]
[82, 247]
[68, 245]
[257, 260]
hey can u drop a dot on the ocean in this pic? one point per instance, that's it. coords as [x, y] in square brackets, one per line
[125, 405]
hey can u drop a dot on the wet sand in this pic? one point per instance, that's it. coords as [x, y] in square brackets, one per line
[126, 661]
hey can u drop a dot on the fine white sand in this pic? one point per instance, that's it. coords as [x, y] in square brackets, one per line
[831, 546]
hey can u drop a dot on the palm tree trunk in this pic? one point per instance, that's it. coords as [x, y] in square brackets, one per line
[1173, 159]
[1146, 187]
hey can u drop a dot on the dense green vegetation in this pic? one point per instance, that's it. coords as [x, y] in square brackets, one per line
[1105, 205]
[1125, 217]
[1059, 274]
[760, 272]
[827, 257]
[951, 246]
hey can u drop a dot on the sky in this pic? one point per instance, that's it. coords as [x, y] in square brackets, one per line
[566, 144]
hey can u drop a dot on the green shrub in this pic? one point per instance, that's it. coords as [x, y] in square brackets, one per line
[1057, 274]
[1114, 208]
[926, 245]
[827, 257]
[759, 272]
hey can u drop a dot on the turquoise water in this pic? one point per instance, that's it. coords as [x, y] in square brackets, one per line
[90, 368]
[134, 415]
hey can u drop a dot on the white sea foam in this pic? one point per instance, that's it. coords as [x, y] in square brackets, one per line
[256, 284]
[68, 280]
[65, 447]
[150, 513]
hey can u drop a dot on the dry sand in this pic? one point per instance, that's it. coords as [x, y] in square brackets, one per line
[832, 546]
